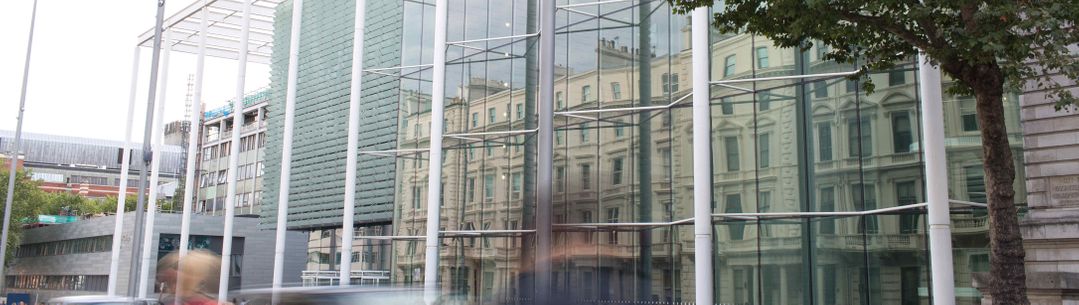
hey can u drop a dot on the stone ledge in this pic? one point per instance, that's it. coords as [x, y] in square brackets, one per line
[1043, 288]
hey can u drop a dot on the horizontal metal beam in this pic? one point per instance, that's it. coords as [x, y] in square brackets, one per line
[589, 4]
[459, 42]
[763, 79]
[624, 109]
[821, 214]
[970, 203]
[398, 68]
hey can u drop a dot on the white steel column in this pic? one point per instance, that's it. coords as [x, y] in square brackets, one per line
[936, 181]
[702, 158]
[544, 154]
[434, 176]
[155, 174]
[12, 174]
[286, 145]
[234, 157]
[125, 166]
[193, 135]
[353, 140]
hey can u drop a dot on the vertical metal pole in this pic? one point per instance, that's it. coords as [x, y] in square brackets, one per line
[286, 146]
[158, 130]
[193, 135]
[545, 153]
[12, 174]
[234, 157]
[353, 140]
[125, 166]
[644, 149]
[702, 159]
[140, 213]
[936, 181]
[434, 176]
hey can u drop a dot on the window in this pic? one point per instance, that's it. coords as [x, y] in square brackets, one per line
[906, 193]
[867, 195]
[764, 144]
[520, 111]
[586, 93]
[669, 82]
[854, 127]
[619, 129]
[471, 190]
[515, 183]
[584, 132]
[820, 89]
[764, 100]
[734, 205]
[764, 205]
[896, 78]
[417, 131]
[616, 171]
[822, 50]
[222, 176]
[827, 204]
[558, 137]
[612, 217]
[492, 115]
[488, 149]
[665, 153]
[852, 86]
[975, 175]
[909, 286]
[471, 152]
[586, 217]
[560, 178]
[586, 176]
[674, 82]
[730, 146]
[489, 187]
[726, 105]
[762, 57]
[475, 119]
[416, 197]
[728, 65]
[559, 100]
[970, 122]
[902, 137]
[824, 139]
[616, 90]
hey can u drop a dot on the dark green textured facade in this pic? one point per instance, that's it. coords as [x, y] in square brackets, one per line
[320, 132]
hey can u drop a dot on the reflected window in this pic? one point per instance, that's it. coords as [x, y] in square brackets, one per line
[616, 170]
[665, 153]
[910, 283]
[730, 146]
[475, 119]
[559, 100]
[520, 111]
[489, 187]
[619, 129]
[852, 86]
[515, 183]
[975, 176]
[726, 105]
[762, 57]
[970, 122]
[586, 93]
[827, 204]
[867, 195]
[670, 82]
[471, 152]
[764, 100]
[906, 193]
[829, 283]
[471, 190]
[864, 143]
[612, 217]
[902, 136]
[616, 91]
[824, 141]
[586, 176]
[820, 89]
[584, 132]
[822, 51]
[728, 65]
[417, 131]
[896, 78]
[736, 228]
[560, 179]
[765, 147]
[492, 115]
[416, 192]
[586, 217]
[558, 137]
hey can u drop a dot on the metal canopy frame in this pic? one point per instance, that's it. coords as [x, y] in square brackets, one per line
[224, 24]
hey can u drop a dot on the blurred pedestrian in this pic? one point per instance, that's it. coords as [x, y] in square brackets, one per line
[191, 280]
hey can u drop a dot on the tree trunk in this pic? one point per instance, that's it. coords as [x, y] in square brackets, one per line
[1007, 284]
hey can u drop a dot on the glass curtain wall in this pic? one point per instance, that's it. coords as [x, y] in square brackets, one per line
[622, 174]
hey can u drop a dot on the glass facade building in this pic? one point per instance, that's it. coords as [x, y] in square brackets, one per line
[622, 166]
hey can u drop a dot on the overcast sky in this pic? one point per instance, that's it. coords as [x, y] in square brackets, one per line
[80, 67]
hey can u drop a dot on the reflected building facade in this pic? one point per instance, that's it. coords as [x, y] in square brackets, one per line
[623, 169]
